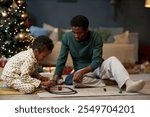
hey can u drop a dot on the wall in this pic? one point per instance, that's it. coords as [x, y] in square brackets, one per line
[132, 15]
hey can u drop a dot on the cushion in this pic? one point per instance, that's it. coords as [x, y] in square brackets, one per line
[124, 52]
[61, 32]
[112, 31]
[57, 33]
[104, 33]
[37, 31]
[48, 26]
[122, 38]
[51, 59]
[54, 35]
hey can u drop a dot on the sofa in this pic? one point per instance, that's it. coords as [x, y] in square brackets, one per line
[117, 42]
[125, 52]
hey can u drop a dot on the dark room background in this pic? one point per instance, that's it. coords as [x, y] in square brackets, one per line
[129, 14]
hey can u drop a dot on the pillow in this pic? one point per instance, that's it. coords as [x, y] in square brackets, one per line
[122, 38]
[104, 33]
[61, 32]
[54, 30]
[112, 31]
[37, 31]
[57, 33]
[48, 26]
[51, 59]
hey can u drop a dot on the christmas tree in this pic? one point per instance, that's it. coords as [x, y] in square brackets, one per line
[14, 27]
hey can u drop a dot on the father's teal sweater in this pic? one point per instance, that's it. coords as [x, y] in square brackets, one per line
[83, 53]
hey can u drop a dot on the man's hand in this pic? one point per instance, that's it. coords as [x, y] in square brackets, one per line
[78, 75]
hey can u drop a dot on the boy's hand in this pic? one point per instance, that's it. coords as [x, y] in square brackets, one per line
[48, 83]
[44, 78]
[52, 83]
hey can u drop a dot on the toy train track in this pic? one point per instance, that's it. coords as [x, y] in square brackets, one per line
[61, 91]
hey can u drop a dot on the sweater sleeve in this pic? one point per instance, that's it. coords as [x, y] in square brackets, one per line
[62, 58]
[97, 52]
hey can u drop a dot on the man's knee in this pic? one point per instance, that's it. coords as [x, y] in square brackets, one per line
[113, 59]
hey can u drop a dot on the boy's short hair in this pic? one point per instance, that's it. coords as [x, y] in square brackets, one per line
[42, 43]
[80, 21]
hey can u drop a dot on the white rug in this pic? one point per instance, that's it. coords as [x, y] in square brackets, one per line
[110, 90]
[92, 92]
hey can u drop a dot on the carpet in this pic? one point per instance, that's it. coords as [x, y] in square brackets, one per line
[111, 90]
[92, 92]
[4, 90]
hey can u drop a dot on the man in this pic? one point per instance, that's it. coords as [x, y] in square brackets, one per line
[85, 47]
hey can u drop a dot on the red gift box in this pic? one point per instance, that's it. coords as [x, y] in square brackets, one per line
[67, 70]
[2, 62]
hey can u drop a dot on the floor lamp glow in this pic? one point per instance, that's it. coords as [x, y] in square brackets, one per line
[147, 3]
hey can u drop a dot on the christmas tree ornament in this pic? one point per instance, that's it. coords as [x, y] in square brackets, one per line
[7, 42]
[20, 2]
[24, 15]
[28, 24]
[4, 14]
[20, 36]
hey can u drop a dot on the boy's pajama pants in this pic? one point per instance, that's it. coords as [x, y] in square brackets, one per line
[19, 85]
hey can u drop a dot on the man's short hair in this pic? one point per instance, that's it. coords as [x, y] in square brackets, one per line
[80, 21]
[42, 43]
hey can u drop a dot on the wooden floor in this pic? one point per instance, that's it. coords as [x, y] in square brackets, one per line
[145, 77]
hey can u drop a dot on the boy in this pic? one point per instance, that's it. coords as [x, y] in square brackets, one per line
[20, 71]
